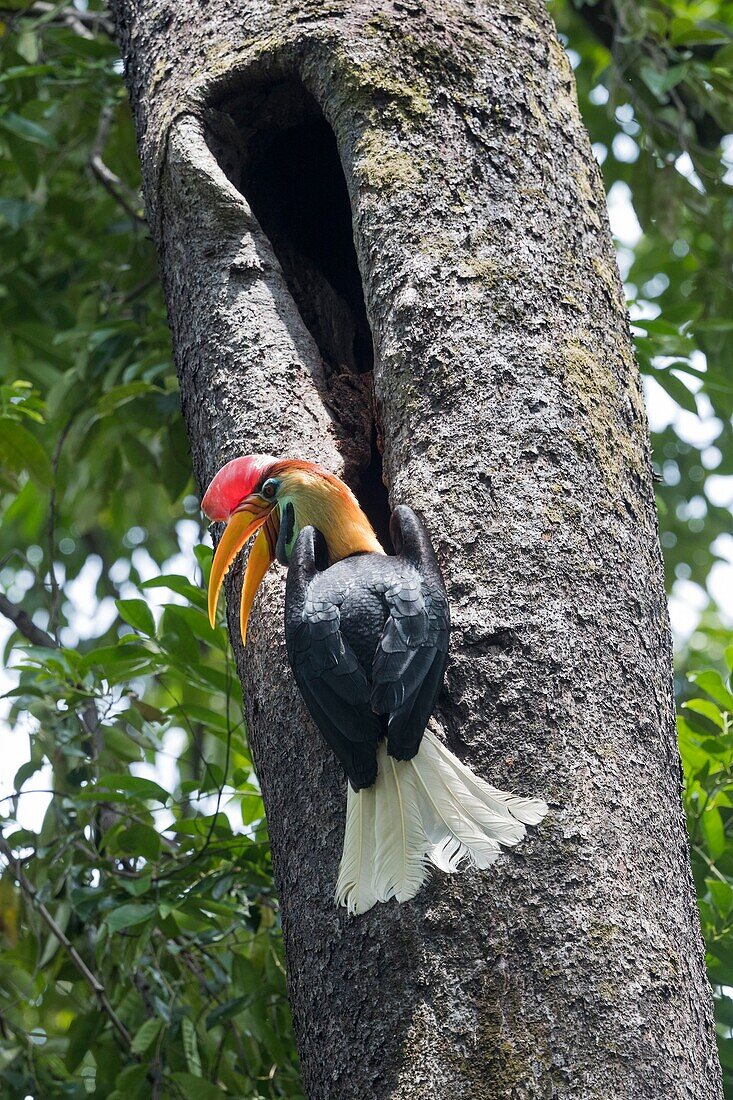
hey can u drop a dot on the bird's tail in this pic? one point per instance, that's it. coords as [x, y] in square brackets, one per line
[431, 809]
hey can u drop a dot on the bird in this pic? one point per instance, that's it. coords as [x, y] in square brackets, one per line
[366, 635]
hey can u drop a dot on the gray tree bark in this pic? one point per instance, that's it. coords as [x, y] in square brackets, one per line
[508, 408]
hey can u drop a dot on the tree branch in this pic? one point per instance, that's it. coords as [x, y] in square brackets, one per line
[77, 21]
[117, 188]
[23, 622]
[89, 976]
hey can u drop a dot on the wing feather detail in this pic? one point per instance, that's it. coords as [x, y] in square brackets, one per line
[332, 682]
[408, 667]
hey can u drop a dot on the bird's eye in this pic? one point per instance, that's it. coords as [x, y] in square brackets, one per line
[269, 488]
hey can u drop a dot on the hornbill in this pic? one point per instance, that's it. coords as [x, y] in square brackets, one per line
[367, 640]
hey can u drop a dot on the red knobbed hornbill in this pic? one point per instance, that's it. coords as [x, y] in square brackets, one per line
[367, 640]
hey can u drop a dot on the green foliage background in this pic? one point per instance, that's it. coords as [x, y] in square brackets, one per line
[140, 952]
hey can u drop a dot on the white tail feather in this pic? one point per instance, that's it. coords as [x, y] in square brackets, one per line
[431, 809]
[400, 866]
[529, 811]
[354, 888]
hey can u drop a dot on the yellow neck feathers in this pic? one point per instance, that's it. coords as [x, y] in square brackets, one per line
[323, 501]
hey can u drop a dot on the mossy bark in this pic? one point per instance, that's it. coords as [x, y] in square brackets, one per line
[509, 410]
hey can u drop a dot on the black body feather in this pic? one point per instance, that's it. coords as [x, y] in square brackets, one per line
[367, 640]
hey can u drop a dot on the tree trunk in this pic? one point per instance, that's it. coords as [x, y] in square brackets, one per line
[324, 177]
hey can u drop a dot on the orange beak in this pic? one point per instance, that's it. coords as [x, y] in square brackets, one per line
[253, 515]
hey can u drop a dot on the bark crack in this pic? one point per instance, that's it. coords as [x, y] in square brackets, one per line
[275, 146]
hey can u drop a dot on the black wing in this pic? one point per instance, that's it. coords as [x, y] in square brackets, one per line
[409, 665]
[331, 680]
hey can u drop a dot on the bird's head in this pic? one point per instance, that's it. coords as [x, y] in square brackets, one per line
[276, 498]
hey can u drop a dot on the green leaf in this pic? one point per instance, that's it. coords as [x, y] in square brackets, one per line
[134, 785]
[177, 637]
[707, 709]
[121, 660]
[677, 390]
[190, 1046]
[146, 1035]
[660, 81]
[22, 72]
[24, 128]
[722, 895]
[179, 585]
[132, 1084]
[22, 451]
[198, 620]
[119, 743]
[204, 556]
[724, 1010]
[25, 771]
[713, 831]
[82, 1032]
[246, 976]
[695, 32]
[725, 1050]
[208, 718]
[16, 212]
[138, 615]
[25, 157]
[711, 682]
[120, 395]
[251, 806]
[138, 886]
[195, 1088]
[226, 1011]
[139, 840]
[127, 916]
